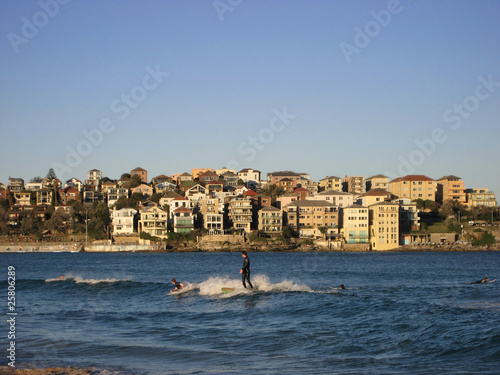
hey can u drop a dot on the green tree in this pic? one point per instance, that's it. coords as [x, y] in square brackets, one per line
[273, 191]
[51, 175]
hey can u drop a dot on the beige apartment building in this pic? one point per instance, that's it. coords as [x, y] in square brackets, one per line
[271, 220]
[142, 173]
[331, 183]
[240, 214]
[384, 226]
[450, 187]
[335, 197]
[212, 211]
[313, 218]
[355, 224]
[414, 187]
[354, 184]
[480, 197]
[378, 181]
[153, 221]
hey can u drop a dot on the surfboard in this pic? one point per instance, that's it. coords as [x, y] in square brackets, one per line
[227, 290]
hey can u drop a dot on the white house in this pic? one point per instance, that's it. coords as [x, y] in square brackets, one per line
[123, 221]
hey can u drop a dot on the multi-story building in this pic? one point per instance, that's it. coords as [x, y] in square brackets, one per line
[229, 178]
[44, 197]
[33, 186]
[250, 176]
[68, 194]
[153, 221]
[374, 196]
[196, 172]
[330, 183]
[183, 220]
[94, 174]
[177, 202]
[480, 197]
[271, 220]
[337, 198]
[450, 187]
[142, 173]
[208, 176]
[75, 183]
[313, 218]
[296, 178]
[384, 226]
[287, 184]
[145, 190]
[409, 222]
[414, 187]
[354, 184]
[122, 221]
[116, 193]
[22, 198]
[15, 184]
[378, 181]
[355, 220]
[212, 211]
[241, 213]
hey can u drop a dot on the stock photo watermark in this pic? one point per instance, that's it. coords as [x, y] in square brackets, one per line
[122, 107]
[30, 26]
[454, 116]
[363, 36]
[257, 143]
[11, 315]
[223, 6]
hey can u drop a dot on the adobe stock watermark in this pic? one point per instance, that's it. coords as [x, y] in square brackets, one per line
[257, 143]
[372, 29]
[454, 116]
[223, 6]
[32, 25]
[122, 107]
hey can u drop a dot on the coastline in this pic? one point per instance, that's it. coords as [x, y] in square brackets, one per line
[188, 247]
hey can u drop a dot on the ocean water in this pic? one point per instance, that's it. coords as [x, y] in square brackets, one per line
[401, 313]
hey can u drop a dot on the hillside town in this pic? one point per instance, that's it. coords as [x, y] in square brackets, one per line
[374, 212]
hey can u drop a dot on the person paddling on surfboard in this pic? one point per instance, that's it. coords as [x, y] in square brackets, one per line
[245, 270]
[482, 281]
[178, 285]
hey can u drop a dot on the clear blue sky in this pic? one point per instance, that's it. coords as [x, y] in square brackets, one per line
[358, 85]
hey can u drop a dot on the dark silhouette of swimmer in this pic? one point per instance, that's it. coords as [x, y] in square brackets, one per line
[342, 286]
[482, 281]
[245, 270]
[178, 285]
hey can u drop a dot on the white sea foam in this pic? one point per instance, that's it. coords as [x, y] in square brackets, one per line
[213, 286]
[81, 280]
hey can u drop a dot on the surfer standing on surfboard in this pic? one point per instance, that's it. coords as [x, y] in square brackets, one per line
[245, 270]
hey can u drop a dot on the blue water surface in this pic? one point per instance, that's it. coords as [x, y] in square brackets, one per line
[401, 313]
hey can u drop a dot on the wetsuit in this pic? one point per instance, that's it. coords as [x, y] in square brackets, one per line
[178, 286]
[245, 275]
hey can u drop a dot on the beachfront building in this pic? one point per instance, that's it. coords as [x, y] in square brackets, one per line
[142, 173]
[414, 187]
[354, 184]
[153, 221]
[384, 225]
[241, 214]
[355, 224]
[451, 187]
[313, 218]
[183, 220]
[335, 197]
[212, 211]
[271, 220]
[330, 183]
[378, 181]
[409, 223]
[123, 221]
[480, 197]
